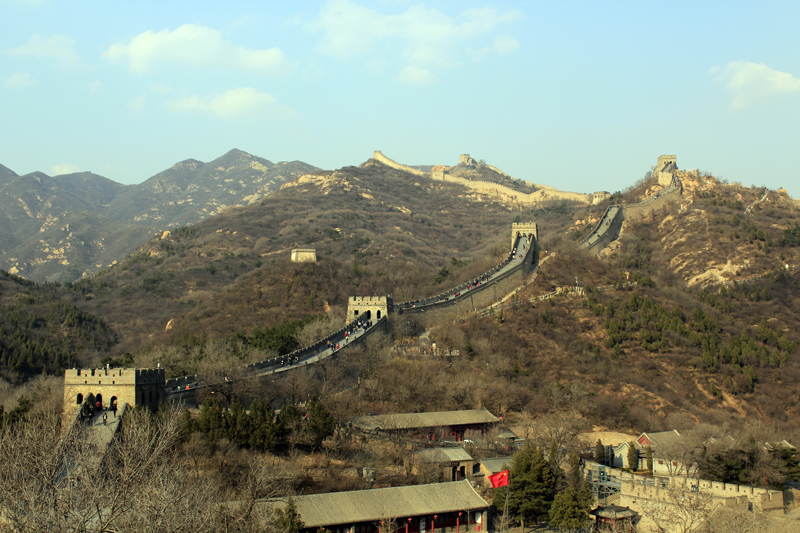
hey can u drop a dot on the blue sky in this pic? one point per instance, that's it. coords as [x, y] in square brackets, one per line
[582, 96]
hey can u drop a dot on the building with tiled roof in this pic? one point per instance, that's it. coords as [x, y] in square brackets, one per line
[455, 425]
[413, 509]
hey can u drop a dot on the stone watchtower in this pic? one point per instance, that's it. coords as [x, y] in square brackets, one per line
[524, 227]
[134, 386]
[304, 255]
[367, 308]
[666, 165]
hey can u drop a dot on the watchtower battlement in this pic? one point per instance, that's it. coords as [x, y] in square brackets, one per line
[107, 385]
[304, 255]
[524, 227]
[367, 307]
[665, 167]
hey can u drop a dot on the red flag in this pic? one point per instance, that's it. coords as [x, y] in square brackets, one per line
[499, 479]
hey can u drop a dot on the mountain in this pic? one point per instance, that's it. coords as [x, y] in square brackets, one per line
[191, 190]
[690, 316]
[109, 220]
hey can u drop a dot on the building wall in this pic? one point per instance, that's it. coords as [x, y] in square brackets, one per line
[308, 255]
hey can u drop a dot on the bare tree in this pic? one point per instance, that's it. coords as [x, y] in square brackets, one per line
[54, 481]
[678, 510]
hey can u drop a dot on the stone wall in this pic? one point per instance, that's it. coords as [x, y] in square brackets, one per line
[496, 190]
[367, 307]
[133, 386]
[469, 301]
[665, 168]
[524, 227]
[308, 255]
[610, 224]
[378, 156]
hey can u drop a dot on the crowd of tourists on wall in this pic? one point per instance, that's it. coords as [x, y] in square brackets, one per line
[518, 253]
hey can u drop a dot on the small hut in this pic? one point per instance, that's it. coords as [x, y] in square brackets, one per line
[613, 519]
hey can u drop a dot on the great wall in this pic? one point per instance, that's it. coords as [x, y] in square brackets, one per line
[609, 227]
[495, 190]
[367, 314]
[483, 296]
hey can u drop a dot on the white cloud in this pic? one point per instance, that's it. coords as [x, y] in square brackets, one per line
[416, 76]
[426, 37]
[503, 44]
[160, 88]
[235, 103]
[754, 82]
[19, 80]
[63, 168]
[196, 46]
[136, 104]
[59, 48]
[96, 87]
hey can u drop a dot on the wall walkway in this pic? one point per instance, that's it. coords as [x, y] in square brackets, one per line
[468, 297]
[610, 224]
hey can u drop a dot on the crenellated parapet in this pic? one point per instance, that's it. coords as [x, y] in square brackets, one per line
[110, 386]
[665, 169]
[378, 156]
[367, 308]
[307, 255]
[495, 190]
[524, 228]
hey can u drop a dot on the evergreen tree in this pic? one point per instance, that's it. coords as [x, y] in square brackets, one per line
[574, 476]
[632, 456]
[531, 488]
[188, 425]
[263, 436]
[568, 512]
[210, 420]
[288, 520]
[553, 456]
[286, 423]
[321, 424]
[599, 453]
[650, 459]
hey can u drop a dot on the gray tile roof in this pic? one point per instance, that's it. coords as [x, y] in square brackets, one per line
[495, 465]
[441, 455]
[353, 507]
[425, 420]
[663, 438]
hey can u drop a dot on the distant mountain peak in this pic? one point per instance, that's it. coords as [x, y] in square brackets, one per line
[6, 172]
[187, 164]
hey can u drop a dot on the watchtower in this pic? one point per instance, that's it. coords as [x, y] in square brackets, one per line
[134, 386]
[304, 255]
[666, 165]
[524, 227]
[367, 307]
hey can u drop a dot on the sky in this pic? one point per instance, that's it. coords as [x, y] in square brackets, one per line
[582, 96]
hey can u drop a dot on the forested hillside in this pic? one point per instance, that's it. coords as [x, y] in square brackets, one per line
[692, 311]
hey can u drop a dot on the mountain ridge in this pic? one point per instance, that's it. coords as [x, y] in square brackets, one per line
[186, 193]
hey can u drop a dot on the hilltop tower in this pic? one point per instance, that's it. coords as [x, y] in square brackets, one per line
[665, 167]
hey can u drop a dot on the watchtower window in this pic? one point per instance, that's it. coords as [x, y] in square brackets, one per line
[79, 399]
[378, 316]
[93, 371]
[78, 372]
